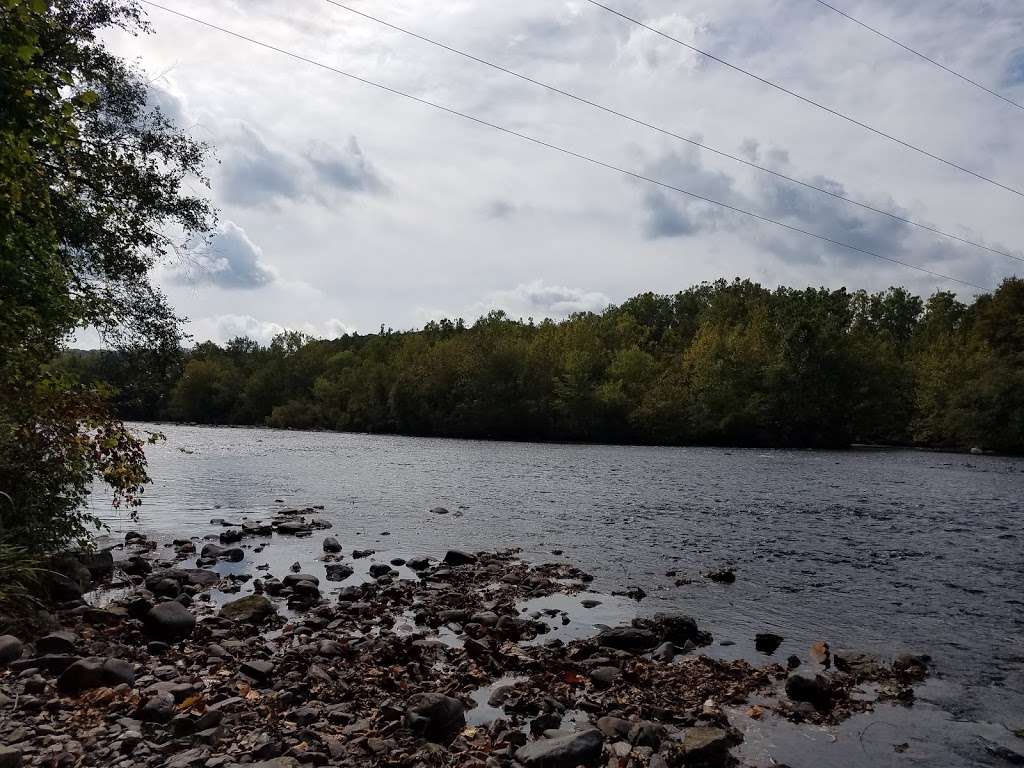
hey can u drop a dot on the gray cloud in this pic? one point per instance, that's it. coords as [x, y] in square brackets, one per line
[230, 261]
[257, 174]
[346, 169]
[1015, 69]
[539, 300]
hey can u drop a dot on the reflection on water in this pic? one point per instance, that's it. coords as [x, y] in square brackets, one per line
[888, 551]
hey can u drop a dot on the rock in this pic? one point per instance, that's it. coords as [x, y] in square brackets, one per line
[664, 652]
[359, 554]
[293, 528]
[707, 746]
[230, 536]
[95, 672]
[10, 757]
[647, 734]
[169, 621]
[233, 555]
[435, 717]
[568, 751]
[820, 653]
[615, 728]
[253, 609]
[211, 551]
[856, 663]
[605, 677]
[294, 578]
[278, 762]
[157, 709]
[767, 642]
[723, 576]
[458, 557]
[338, 571]
[675, 627]
[67, 578]
[57, 642]
[99, 564]
[331, 545]
[814, 690]
[11, 649]
[590, 603]
[379, 569]
[627, 638]
[258, 669]
[439, 511]
[418, 563]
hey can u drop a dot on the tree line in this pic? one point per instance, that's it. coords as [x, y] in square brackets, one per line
[728, 363]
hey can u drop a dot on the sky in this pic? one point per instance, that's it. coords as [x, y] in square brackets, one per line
[344, 208]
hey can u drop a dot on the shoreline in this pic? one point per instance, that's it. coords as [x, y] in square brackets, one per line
[443, 662]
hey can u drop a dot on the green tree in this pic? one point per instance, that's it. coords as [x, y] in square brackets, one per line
[91, 197]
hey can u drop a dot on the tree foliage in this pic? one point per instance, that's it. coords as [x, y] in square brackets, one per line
[724, 363]
[92, 181]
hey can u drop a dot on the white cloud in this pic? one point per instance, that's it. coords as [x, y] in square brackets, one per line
[223, 328]
[231, 260]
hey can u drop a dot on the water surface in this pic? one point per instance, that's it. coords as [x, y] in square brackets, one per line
[884, 551]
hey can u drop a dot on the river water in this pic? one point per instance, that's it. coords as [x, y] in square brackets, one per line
[882, 551]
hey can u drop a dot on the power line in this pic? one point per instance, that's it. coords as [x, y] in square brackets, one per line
[667, 132]
[808, 100]
[555, 147]
[920, 55]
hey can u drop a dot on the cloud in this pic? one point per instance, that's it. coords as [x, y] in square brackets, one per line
[539, 300]
[346, 169]
[253, 173]
[223, 328]
[257, 173]
[1015, 69]
[230, 261]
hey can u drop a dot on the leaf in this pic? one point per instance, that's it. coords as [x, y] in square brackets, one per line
[40, 6]
[88, 97]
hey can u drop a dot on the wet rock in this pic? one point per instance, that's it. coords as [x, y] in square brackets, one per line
[230, 536]
[856, 663]
[293, 528]
[767, 642]
[338, 571]
[253, 609]
[815, 689]
[590, 603]
[605, 677]
[821, 653]
[211, 551]
[95, 672]
[379, 569]
[793, 662]
[99, 564]
[258, 669]
[10, 757]
[169, 621]
[664, 652]
[458, 557]
[137, 566]
[627, 638]
[566, 751]
[707, 746]
[295, 578]
[675, 627]
[911, 667]
[418, 563]
[331, 545]
[157, 709]
[723, 576]
[439, 511]
[359, 554]
[278, 762]
[11, 649]
[434, 716]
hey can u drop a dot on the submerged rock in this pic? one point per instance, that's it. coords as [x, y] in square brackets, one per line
[434, 716]
[565, 751]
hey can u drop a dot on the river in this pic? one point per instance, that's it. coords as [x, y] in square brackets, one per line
[883, 551]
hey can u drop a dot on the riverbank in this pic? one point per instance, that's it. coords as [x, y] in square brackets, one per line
[409, 661]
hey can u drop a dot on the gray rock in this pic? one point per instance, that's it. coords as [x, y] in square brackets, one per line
[278, 762]
[57, 642]
[439, 511]
[814, 690]
[664, 652]
[435, 717]
[627, 638]
[10, 757]
[707, 746]
[605, 677]
[458, 557]
[95, 672]
[157, 709]
[252, 609]
[418, 563]
[11, 649]
[379, 569]
[568, 751]
[331, 545]
[211, 551]
[338, 571]
[294, 578]
[258, 670]
[169, 621]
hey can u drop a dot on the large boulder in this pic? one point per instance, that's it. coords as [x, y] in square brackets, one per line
[11, 649]
[338, 571]
[95, 672]
[99, 564]
[253, 609]
[57, 642]
[458, 557]
[568, 751]
[67, 578]
[435, 717]
[627, 638]
[708, 746]
[169, 621]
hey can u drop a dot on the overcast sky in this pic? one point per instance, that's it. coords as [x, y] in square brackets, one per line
[344, 207]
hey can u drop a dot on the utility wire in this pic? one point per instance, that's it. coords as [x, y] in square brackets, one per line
[667, 132]
[920, 55]
[808, 100]
[555, 147]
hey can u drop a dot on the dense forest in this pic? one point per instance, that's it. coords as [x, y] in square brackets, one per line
[723, 363]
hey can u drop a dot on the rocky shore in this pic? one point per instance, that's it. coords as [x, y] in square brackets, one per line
[446, 668]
